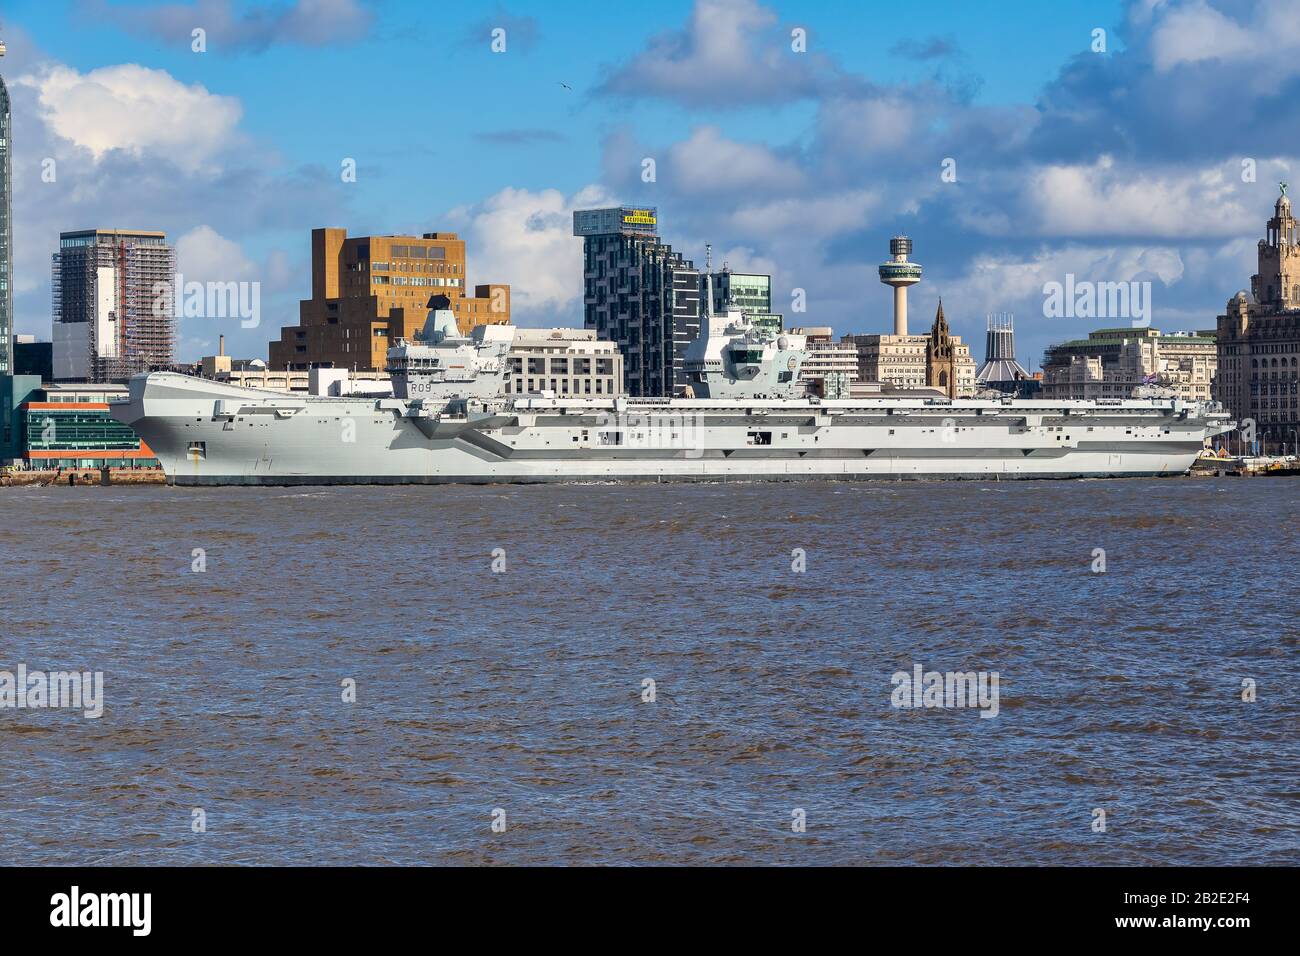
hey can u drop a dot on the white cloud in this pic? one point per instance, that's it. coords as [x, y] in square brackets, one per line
[992, 279]
[871, 125]
[203, 255]
[1105, 198]
[1194, 33]
[137, 110]
[809, 218]
[526, 239]
[708, 162]
[1197, 32]
[729, 52]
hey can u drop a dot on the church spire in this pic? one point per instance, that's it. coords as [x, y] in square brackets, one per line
[940, 330]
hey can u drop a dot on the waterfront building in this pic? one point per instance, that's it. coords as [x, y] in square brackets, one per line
[113, 304]
[55, 426]
[1189, 362]
[900, 274]
[14, 390]
[369, 291]
[1111, 363]
[749, 293]
[6, 233]
[640, 294]
[831, 368]
[903, 361]
[568, 362]
[1259, 337]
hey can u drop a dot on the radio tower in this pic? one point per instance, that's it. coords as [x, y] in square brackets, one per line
[900, 274]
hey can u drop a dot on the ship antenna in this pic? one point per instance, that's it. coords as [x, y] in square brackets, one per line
[708, 280]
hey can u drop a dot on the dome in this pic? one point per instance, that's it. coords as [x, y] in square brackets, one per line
[1242, 296]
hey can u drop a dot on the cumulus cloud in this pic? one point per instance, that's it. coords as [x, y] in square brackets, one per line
[708, 162]
[811, 218]
[203, 254]
[526, 239]
[1104, 199]
[1197, 32]
[311, 23]
[1128, 167]
[73, 160]
[136, 110]
[731, 52]
[1193, 80]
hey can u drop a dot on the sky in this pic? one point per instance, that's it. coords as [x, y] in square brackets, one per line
[1017, 143]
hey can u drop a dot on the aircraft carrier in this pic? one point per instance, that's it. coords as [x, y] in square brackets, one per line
[745, 417]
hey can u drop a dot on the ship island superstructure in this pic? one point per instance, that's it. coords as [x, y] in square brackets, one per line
[743, 418]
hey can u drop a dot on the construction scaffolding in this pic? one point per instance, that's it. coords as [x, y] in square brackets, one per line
[120, 287]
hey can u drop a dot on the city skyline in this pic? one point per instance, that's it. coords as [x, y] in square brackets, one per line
[794, 165]
[706, 433]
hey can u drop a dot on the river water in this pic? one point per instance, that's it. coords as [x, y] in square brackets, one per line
[770, 619]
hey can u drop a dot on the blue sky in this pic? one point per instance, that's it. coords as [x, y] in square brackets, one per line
[1118, 165]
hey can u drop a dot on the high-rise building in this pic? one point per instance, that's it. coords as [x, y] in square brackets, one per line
[113, 304]
[1259, 337]
[641, 294]
[750, 293]
[6, 235]
[369, 291]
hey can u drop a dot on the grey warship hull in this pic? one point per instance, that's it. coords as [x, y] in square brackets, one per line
[208, 433]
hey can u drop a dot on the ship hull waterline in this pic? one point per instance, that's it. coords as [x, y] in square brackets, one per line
[205, 433]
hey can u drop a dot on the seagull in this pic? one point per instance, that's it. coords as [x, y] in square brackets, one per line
[566, 86]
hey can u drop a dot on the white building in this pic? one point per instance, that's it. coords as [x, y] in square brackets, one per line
[831, 368]
[564, 361]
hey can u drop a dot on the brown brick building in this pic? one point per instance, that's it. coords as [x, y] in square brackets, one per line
[369, 291]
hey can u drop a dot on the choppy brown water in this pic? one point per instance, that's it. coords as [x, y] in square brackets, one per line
[522, 690]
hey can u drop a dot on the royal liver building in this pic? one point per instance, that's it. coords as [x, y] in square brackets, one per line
[1259, 338]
